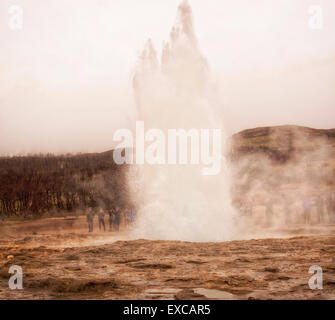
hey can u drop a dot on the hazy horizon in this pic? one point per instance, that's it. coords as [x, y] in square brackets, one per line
[65, 84]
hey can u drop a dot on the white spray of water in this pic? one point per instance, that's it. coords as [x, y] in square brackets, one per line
[178, 91]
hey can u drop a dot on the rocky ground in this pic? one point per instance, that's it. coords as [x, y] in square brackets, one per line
[60, 260]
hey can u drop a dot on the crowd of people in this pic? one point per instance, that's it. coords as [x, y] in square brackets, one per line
[306, 209]
[319, 209]
[115, 216]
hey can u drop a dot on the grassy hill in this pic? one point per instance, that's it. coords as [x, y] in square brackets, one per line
[285, 159]
[282, 143]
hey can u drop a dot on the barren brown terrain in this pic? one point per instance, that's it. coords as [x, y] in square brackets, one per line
[60, 260]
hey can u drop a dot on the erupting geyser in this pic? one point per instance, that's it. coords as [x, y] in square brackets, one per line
[178, 91]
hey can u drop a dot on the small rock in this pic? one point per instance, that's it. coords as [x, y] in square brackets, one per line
[274, 270]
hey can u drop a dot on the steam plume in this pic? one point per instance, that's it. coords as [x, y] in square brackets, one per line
[177, 91]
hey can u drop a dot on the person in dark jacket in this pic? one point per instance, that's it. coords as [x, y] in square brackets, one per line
[89, 218]
[117, 219]
[101, 217]
[110, 219]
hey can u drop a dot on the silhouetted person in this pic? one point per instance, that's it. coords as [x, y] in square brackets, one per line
[101, 216]
[269, 212]
[287, 209]
[247, 208]
[110, 219]
[126, 217]
[132, 216]
[89, 218]
[319, 203]
[307, 204]
[330, 205]
[117, 218]
[332, 212]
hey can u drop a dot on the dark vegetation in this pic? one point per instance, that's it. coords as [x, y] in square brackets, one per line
[271, 157]
[38, 184]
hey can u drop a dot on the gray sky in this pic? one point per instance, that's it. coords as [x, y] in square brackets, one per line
[65, 82]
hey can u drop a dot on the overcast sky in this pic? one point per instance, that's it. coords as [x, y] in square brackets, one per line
[65, 80]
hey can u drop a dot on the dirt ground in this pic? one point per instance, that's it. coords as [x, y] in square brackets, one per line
[60, 260]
